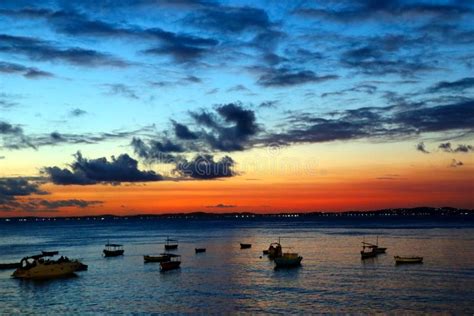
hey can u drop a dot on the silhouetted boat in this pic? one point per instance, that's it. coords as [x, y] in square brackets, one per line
[5, 266]
[160, 258]
[405, 260]
[199, 250]
[113, 250]
[173, 263]
[265, 252]
[171, 244]
[35, 267]
[375, 247]
[287, 260]
[245, 246]
[364, 254]
[49, 253]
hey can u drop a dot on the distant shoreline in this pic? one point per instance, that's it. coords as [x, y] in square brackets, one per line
[417, 212]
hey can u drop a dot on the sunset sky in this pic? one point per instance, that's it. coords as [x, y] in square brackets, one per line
[158, 106]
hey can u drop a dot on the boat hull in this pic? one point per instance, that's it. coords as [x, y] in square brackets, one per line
[245, 246]
[47, 271]
[366, 255]
[171, 247]
[287, 263]
[200, 250]
[113, 253]
[161, 258]
[408, 260]
[170, 265]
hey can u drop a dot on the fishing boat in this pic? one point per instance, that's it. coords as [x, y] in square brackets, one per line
[171, 244]
[173, 263]
[288, 260]
[245, 246]
[199, 250]
[35, 267]
[49, 253]
[113, 250]
[160, 258]
[375, 247]
[368, 251]
[405, 260]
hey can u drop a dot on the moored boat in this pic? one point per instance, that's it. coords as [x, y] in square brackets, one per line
[171, 244]
[36, 267]
[174, 262]
[245, 246]
[160, 258]
[113, 250]
[288, 260]
[407, 260]
[199, 250]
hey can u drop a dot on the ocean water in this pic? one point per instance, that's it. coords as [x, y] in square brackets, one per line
[228, 280]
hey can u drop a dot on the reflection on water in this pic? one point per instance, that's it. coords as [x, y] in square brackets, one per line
[226, 279]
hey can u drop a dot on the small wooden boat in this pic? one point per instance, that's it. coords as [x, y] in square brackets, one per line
[173, 263]
[5, 266]
[171, 244]
[245, 246]
[405, 260]
[49, 253]
[288, 260]
[160, 258]
[113, 250]
[199, 250]
[265, 252]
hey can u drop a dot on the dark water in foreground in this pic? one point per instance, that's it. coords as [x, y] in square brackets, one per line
[229, 280]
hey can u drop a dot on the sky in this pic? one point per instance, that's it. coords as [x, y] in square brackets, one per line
[160, 106]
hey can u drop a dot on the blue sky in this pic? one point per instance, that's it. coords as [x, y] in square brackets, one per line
[92, 76]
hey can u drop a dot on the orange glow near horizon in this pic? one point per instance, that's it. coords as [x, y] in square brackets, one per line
[330, 192]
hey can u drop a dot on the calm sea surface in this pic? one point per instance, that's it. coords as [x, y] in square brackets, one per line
[226, 279]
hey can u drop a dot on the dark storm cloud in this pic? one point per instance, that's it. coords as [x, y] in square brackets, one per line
[204, 167]
[157, 151]
[85, 171]
[13, 137]
[183, 132]
[455, 86]
[284, 77]
[461, 148]
[36, 49]
[377, 61]
[182, 47]
[27, 72]
[422, 148]
[354, 11]
[13, 187]
[386, 123]
[230, 128]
